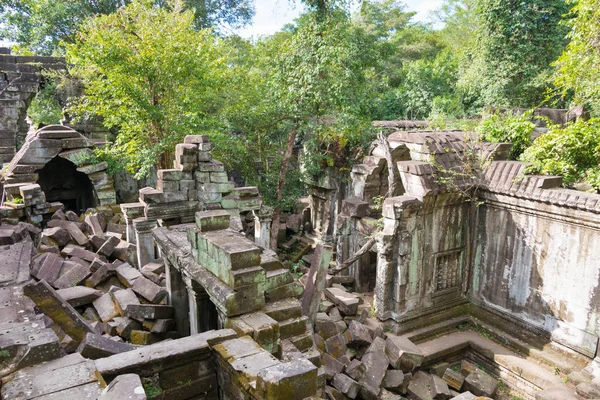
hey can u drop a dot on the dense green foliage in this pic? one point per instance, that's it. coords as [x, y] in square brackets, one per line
[508, 128]
[579, 66]
[45, 108]
[154, 74]
[148, 73]
[516, 42]
[572, 151]
[40, 25]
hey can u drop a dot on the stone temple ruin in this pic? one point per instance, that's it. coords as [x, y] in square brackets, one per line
[483, 287]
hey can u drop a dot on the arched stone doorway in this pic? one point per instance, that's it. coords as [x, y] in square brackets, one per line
[61, 181]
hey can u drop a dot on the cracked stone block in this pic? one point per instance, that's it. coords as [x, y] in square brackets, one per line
[292, 380]
[149, 290]
[454, 379]
[419, 387]
[376, 364]
[73, 277]
[127, 275]
[396, 381]
[78, 296]
[56, 236]
[123, 298]
[106, 307]
[357, 335]
[61, 312]
[480, 384]
[50, 268]
[439, 388]
[403, 354]
[95, 346]
[331, 365]
[336, 346]
[109, 246]
[324, 326]
[347, 303]
[346, 385]
[127, 386]
[149, 311]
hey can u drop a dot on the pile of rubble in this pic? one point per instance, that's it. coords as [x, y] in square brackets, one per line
[92, 296]
[361, 361]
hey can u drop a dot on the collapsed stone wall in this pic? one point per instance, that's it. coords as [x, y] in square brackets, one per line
[525, 255]
[20, 80]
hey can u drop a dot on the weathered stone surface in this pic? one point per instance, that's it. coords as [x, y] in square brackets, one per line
[357, 335]
[481, 384]
[402, 353]
[454, 379]
[63, 314]
[149, 311]
[127, 274]
[55, 236]
[125, 326]
[376, 364]
[76, 274]
[78, 296]
[471, 396]
[419, 387]
[50, 268]
[439, 388]
[93, 224]
[324, 326]
[149, 290]
[331, 365]
[346, 385]
[106, 307]
[71, 228]
[396, 381]
[109, 246]
[336, 346]
[293, 380]
[70, 377]
[315, 283]
[587, 390]
[355, 207]
[123, 299]
[552, 393]
[346, 302]
[94, 346]
[127, 386]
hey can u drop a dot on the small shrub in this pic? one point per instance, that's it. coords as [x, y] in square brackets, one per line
[572, 151]
[508, 128]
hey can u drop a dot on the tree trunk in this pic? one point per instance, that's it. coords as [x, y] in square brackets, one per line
[281, 184]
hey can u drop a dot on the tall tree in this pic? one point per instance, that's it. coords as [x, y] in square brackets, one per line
[516, 42]
[148, 73]
[40, 25]
[579, 66]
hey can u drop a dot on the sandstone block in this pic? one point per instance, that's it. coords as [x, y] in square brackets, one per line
[149, 290]
[293, 380]
[347, 303]
[106, 307]
[127, 386]
[149, 311]
[454, 379]
[402, 353]
[79, 295]
[124, 298]
[346, 385]
[480, 384]
[94, 346]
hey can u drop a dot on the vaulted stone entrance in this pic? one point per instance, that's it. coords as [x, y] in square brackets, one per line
[61, 181]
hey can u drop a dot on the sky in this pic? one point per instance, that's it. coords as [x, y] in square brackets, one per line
[272, 15]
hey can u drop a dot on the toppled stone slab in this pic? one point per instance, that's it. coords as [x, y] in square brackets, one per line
[78, 296]
[346, 302]
[402, 353]
[454, 379]
[69, 377]
[94, 346]
[127, 386]
[149, 311]
[480, 384]
[106, 307]
[346, 385]
[61, 312]
[376, 364]
[292, 380]
[149, 290]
